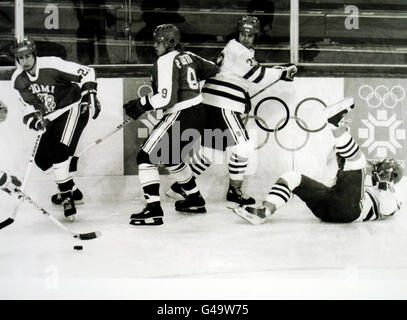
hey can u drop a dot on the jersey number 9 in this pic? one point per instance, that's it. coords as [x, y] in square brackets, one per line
[192, 79]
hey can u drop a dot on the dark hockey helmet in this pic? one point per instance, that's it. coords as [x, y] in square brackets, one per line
[24, 46]
[387, 170]
[249, 24]
[168, 34]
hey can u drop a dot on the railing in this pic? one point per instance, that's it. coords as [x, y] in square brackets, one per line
[112, 34]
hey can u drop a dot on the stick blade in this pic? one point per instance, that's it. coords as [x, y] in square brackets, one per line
[6, 223]
[88, 236]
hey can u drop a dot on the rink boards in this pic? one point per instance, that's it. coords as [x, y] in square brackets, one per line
[297, 137]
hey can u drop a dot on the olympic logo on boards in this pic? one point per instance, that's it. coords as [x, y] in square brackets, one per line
[261, 123]
[382, 95]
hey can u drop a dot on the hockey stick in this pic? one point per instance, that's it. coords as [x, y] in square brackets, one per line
[265, 88]
[81, 236]
[11, 219]
[74, 160]
[269, 85]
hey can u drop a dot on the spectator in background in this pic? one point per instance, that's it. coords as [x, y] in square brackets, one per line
[153, 18]
[93, 19]
[266, 8]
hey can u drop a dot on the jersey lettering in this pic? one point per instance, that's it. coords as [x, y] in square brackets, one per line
[83, 72]
[40, 88]
[192, 79]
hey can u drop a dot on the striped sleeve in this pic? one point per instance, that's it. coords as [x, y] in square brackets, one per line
[262, 76]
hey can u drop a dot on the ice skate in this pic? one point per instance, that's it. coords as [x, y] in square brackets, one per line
[252, 214]
[77, 196]
[236, 196]
[192, 204]
[336, 112]
[69, 206]
[175, 192]
[151, 215]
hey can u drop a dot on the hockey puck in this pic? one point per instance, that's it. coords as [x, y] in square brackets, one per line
[78, 247]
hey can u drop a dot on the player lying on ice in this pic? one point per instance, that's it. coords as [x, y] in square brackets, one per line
[351, 198]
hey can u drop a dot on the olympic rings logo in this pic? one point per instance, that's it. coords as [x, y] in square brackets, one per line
[382, 95]
[281, 124]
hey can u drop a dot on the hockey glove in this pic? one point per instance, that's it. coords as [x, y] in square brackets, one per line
[8, 183]
[289, 73]
[89, 100]
[3, 111]
[35, 121]
[136, 108]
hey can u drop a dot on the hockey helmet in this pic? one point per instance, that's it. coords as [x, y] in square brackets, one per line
[24, 46]
[249, 24]
[386, 171]
[168, 34]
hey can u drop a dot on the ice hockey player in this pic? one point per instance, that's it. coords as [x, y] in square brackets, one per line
[7, 182]
[352, 198]
[60, 96]
[226, 96]
[175, 79]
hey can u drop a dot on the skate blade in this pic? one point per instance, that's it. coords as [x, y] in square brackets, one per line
[174, 195]
[77, 202]
[253, 219]
[233, 204]
[70, 218]
[192, 210]
[147, 222]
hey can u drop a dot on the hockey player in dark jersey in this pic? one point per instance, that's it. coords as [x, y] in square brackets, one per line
[175, 79]
[226, 97]
[59, 96]
[352, 198]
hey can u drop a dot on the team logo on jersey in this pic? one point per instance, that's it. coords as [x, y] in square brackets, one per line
[48, 101]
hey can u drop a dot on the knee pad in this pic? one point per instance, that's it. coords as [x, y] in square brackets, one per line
[61, 172]
[243, 150]
[292, 179]
[356, 163]
[181, 173]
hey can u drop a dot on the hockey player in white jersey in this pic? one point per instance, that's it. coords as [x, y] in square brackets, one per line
[226, 96]
[352, 198]
[59, 97]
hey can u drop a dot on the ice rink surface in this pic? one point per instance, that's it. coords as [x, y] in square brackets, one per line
[205, 256]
